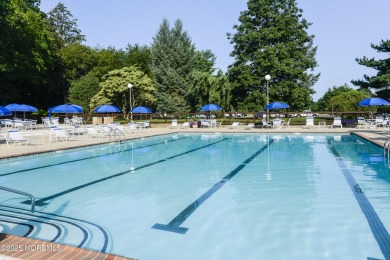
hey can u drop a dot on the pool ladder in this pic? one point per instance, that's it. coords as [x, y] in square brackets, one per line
[21, 193]
[386, 150]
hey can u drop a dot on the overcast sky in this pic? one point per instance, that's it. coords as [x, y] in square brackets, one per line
[343, 29]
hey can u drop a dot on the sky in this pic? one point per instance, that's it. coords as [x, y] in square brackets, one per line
[344, 29]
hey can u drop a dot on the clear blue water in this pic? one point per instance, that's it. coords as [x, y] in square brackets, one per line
[230, 196]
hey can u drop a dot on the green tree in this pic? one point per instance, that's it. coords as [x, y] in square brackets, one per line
[65, 25]
[204, 61]
[82, 90]
[78, 60]
[347, 101]
[27, 53]
[272, 39]
[324, 103]
[381, 81]
[114, 90]
[172, 62]
[141, 57]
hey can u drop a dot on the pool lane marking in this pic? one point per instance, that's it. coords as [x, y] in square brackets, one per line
[86, 158]
[379, 231]
[104, 232]
[30, 227]
[175, 223]
[82, 229]
[41, 202]
[59, 230]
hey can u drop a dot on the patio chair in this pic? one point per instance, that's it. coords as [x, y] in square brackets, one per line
[205, 124]
[379, 121]
[361, 122]
[59, 134]
[92, 132]
[249, 126]
[14, 136]
[276, 123]
[234, 125]
[132, 128]
[185, 125]
[265, 124]
[17, 123]
[286, 124]
[337, 122]
[173, 124]
[309, 122]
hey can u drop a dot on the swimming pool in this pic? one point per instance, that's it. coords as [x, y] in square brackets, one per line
[208, 196]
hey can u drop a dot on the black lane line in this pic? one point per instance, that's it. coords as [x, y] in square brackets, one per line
[379, 231]
[83, 230]
[105, 234]
[86, 158]
[174, 225]
[41, 202]
[30, 227]
[59, 231]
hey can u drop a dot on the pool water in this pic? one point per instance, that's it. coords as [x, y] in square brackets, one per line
[207, 196]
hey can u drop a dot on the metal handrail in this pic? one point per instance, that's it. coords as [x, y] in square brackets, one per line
[386, 147]
[22, 193]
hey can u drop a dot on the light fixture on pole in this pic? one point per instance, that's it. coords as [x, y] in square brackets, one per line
[131, 107]
[267, 78]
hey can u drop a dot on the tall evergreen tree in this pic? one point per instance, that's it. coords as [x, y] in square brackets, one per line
[172, 62]
[65, 25]
[272, 39]
[381, 81]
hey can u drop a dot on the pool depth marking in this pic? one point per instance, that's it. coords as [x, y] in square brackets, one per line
[174, 225]
[86, 158]
[41, 202]
[379, 231]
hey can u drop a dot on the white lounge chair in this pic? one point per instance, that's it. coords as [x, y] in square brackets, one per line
[173, 124]
[14, 136]
[265, 124]
[60, 134]
[276, 123]
[92, 132]
[309, 122]
[361, 122]
[205, 124]
[336, 122]
[185, 125]
[379, 121]
[286, 124]
[249, 126]
[234, 125]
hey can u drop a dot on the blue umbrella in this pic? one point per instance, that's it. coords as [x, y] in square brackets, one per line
[210, 107]
[65, 109]
[107, 109]
[141, 110]
[79, 108]
[5, 112]
[276, 105]
[373, 102]
[21, 108]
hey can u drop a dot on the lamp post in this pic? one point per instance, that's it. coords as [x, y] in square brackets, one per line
[131, 107]
[267, 78]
